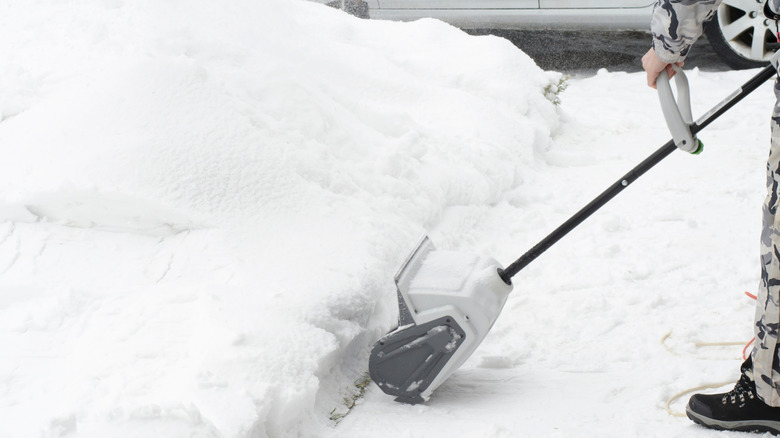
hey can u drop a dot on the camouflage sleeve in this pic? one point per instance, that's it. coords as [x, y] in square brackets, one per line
[677, 24]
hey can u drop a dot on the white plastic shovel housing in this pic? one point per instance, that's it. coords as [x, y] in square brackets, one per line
[447, 301]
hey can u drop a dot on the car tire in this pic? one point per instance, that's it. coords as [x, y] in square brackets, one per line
[358, 8]
[742, 38]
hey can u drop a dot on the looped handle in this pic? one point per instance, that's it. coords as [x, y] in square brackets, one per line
[678, 112]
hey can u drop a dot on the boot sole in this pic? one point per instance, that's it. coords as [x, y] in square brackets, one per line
[742, 426]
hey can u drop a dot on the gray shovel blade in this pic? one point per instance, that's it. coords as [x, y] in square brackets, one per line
[405, 361]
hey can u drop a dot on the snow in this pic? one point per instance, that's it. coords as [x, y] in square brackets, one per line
[202, 207]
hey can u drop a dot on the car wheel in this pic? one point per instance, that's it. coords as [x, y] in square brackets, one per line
[741, 34]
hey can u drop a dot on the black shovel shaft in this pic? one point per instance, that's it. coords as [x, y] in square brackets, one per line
[613, 190]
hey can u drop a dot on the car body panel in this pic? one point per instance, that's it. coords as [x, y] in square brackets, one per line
[528, 19]
[588, 4]
[459, 4]
[509, 4]
[521, 14]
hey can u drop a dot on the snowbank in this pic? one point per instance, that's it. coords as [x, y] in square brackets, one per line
[202, 204]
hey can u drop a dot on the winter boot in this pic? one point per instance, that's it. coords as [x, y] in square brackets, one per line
[738, 409]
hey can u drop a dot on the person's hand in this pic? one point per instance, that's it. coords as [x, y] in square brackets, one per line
[654, 66]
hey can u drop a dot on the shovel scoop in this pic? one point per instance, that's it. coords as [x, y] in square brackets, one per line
[447, 302]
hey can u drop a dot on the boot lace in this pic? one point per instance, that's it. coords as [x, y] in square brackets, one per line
[742, 392]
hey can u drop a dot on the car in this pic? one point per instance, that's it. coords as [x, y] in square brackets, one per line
[739, 33]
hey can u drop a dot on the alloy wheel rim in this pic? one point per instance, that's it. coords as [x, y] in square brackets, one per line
[746, 30]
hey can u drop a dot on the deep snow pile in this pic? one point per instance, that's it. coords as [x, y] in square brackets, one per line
[202, 203]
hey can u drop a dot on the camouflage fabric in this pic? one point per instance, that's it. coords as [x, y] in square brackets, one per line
[676, 25]
[766, 354]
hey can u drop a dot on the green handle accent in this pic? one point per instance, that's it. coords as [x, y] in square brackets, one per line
[699, 149]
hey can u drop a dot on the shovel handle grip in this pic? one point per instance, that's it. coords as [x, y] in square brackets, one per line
[677, 112]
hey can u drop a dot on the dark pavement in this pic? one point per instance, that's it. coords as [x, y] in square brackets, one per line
[585, 52]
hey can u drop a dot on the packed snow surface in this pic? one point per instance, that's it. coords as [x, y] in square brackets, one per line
[203, 204]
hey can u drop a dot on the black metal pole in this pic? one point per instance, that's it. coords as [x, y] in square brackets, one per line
[613, 190]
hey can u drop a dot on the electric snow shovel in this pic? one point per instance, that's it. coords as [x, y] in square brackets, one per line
[448, 301]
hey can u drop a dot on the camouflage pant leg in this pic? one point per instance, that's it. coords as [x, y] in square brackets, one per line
[766, 353]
